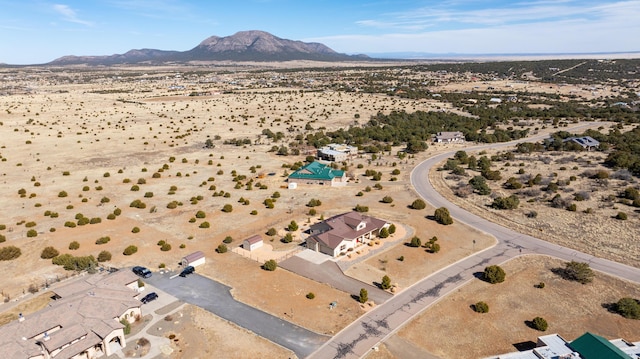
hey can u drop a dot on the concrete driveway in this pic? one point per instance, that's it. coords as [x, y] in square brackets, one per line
[328, 272]
[216, 298]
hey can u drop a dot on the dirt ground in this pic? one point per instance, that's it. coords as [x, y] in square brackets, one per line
[196, 333]
[596, 232]
[456, 331]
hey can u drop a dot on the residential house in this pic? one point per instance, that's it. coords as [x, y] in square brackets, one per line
[318, 173]
[586, 142]
[449, 137]
[587, 346]
[83, 320]
[342, 233]
[336, 152]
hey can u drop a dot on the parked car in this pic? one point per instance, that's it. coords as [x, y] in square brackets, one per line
[141, 271]
[187, 270]
[149, 297]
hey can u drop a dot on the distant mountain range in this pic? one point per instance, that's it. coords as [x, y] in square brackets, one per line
[242, 46]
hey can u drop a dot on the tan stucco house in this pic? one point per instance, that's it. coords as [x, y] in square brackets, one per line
[342, 233]
[83, 320]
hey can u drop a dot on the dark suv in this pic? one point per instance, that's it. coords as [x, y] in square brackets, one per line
[187, 270]
[149, 298]
[141, 271]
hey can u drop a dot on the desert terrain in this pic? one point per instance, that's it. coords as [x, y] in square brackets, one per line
[143, 155]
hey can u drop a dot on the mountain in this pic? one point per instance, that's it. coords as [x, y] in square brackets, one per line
[242, 46]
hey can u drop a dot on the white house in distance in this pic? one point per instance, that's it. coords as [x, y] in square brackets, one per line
[194, 259]
[336, 152]
[449, 137]
[83, 321]
[253, 242]
[343, 232]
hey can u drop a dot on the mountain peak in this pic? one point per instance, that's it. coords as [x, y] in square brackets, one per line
[253, 45]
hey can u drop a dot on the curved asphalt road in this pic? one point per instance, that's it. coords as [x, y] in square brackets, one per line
[368, 331]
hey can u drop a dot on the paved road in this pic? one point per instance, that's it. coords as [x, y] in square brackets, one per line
[368, 331]
[216, 298]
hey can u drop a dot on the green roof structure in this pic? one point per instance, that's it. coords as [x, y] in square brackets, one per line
[591, 346]
[316, 171]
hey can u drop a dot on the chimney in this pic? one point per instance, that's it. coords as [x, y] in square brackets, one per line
[46, 336]
[20, 317]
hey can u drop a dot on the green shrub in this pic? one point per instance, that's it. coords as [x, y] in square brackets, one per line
[577, 271]
[387, 199]
[442, 216]
[74, 245]
[310, 295]
[127, 326]
[361, 209]
[293, 226]
[270, 265]
[69, 262]
[510, 202]
[2, 238]
[227, 239]
[539, 323]
[130, 250]
[288, 238]
[481, 307]
[386, 282]
[69, 224]
[204, 225]
[494, 274]
[165, 247]
[415, 242]
[628, 308]
[222, 248]
[104, 256]
[9, 252]
[111, 216]
[103, 240]
[364, 296]
[49, 252]
[62, 194]
[200, 214]
[418, 204]
[227, 208]
[314, 203]
[135, 230]
[148, 194]
[32, 233]
[621, 216]
[117, 211]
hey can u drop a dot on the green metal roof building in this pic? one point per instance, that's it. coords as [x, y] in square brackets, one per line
[318, 173]
[591, 346]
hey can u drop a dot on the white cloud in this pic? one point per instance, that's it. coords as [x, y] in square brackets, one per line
[69, 14]
[563, 26]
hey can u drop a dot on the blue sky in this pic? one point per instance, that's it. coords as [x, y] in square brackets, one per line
[38, 31]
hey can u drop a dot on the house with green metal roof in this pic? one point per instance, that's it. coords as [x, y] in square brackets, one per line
[591, 346]
[587, 346]
[318, 173]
